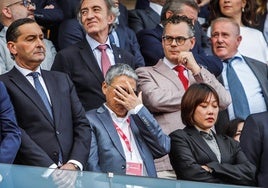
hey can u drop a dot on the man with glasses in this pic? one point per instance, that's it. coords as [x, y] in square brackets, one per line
[164, 84]
[12, 10]
[126, 137]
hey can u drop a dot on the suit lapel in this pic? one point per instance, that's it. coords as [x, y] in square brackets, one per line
[24, 85]
[121, 33]
[90, 60]
[107, 123]
[165, 71]
[260, 71]
[200, 142]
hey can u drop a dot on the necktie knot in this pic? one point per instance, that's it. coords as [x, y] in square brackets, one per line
[34, 74]
[102, 47]
[207, 136]
[179, 68]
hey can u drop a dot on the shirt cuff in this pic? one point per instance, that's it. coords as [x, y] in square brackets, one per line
[76, 163]
[49, 171]
[136, 109]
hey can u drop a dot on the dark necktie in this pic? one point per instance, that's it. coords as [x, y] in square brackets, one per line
[206, 135]
[180, 69]
[239, 99]
[105, 62]
[40, 90]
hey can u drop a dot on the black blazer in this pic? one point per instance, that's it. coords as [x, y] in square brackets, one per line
[254, 142]
[79, 62]
[41, 135]
[189, 151]
[143, 19]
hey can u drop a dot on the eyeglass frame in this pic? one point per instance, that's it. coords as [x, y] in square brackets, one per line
[165, 38]
[25, 3]
[136, 92]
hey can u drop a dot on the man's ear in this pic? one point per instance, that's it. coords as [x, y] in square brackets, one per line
[12, 47]
[104, 87]
[6, 12]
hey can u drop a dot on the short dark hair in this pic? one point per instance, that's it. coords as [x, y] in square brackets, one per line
[13, 32]
[231, 128]
[195, 95]
[176, 19]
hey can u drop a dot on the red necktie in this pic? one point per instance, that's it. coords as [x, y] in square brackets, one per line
[180, 69]
[105, 62]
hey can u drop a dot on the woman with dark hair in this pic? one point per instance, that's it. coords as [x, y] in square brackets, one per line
[234, 128]
[197, 153]
[243, 12]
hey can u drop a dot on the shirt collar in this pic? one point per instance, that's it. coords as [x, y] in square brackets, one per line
[169, 64]
[156, 7]
[25, 72]
[94, 44]
[115, 118]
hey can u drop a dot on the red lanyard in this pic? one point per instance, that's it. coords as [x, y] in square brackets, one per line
[123, 136]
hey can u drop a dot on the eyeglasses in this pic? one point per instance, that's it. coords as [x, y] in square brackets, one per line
[25, 3]
[180, 40]
[126, 90]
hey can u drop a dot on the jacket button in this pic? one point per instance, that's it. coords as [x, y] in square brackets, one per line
[123, 167]
[55, 153]
[57, 132]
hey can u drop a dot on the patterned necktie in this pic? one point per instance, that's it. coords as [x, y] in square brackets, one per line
[40, 90]
[239, 98]
[105, 62]
[180, 69]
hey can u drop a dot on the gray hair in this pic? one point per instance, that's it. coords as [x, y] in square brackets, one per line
[111, 9]
[226, 20]
[120, 69]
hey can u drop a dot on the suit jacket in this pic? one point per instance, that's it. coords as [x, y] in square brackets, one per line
[143, 19]
[79, 62]
[42, 136]
[254, 143]
[7, 63]
[189, 151]
[150, 41]
[162, 92]
[260, 70]
[9, 131]
[107, 154]
[48, 17]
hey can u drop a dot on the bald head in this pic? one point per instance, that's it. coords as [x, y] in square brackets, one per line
[12, 10]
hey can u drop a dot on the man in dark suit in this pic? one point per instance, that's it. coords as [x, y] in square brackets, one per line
[82, 61]
[125, 136]
[10, 135]
[254, 143]
[55, 131]
[150, 40]
[252, 74]
[148, 18]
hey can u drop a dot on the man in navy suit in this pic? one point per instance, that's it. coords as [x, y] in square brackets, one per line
[9, 131]
[82, 61]
[126, 138]
[148, 18]
[55, 131]
[150, 40]
[254, 143]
